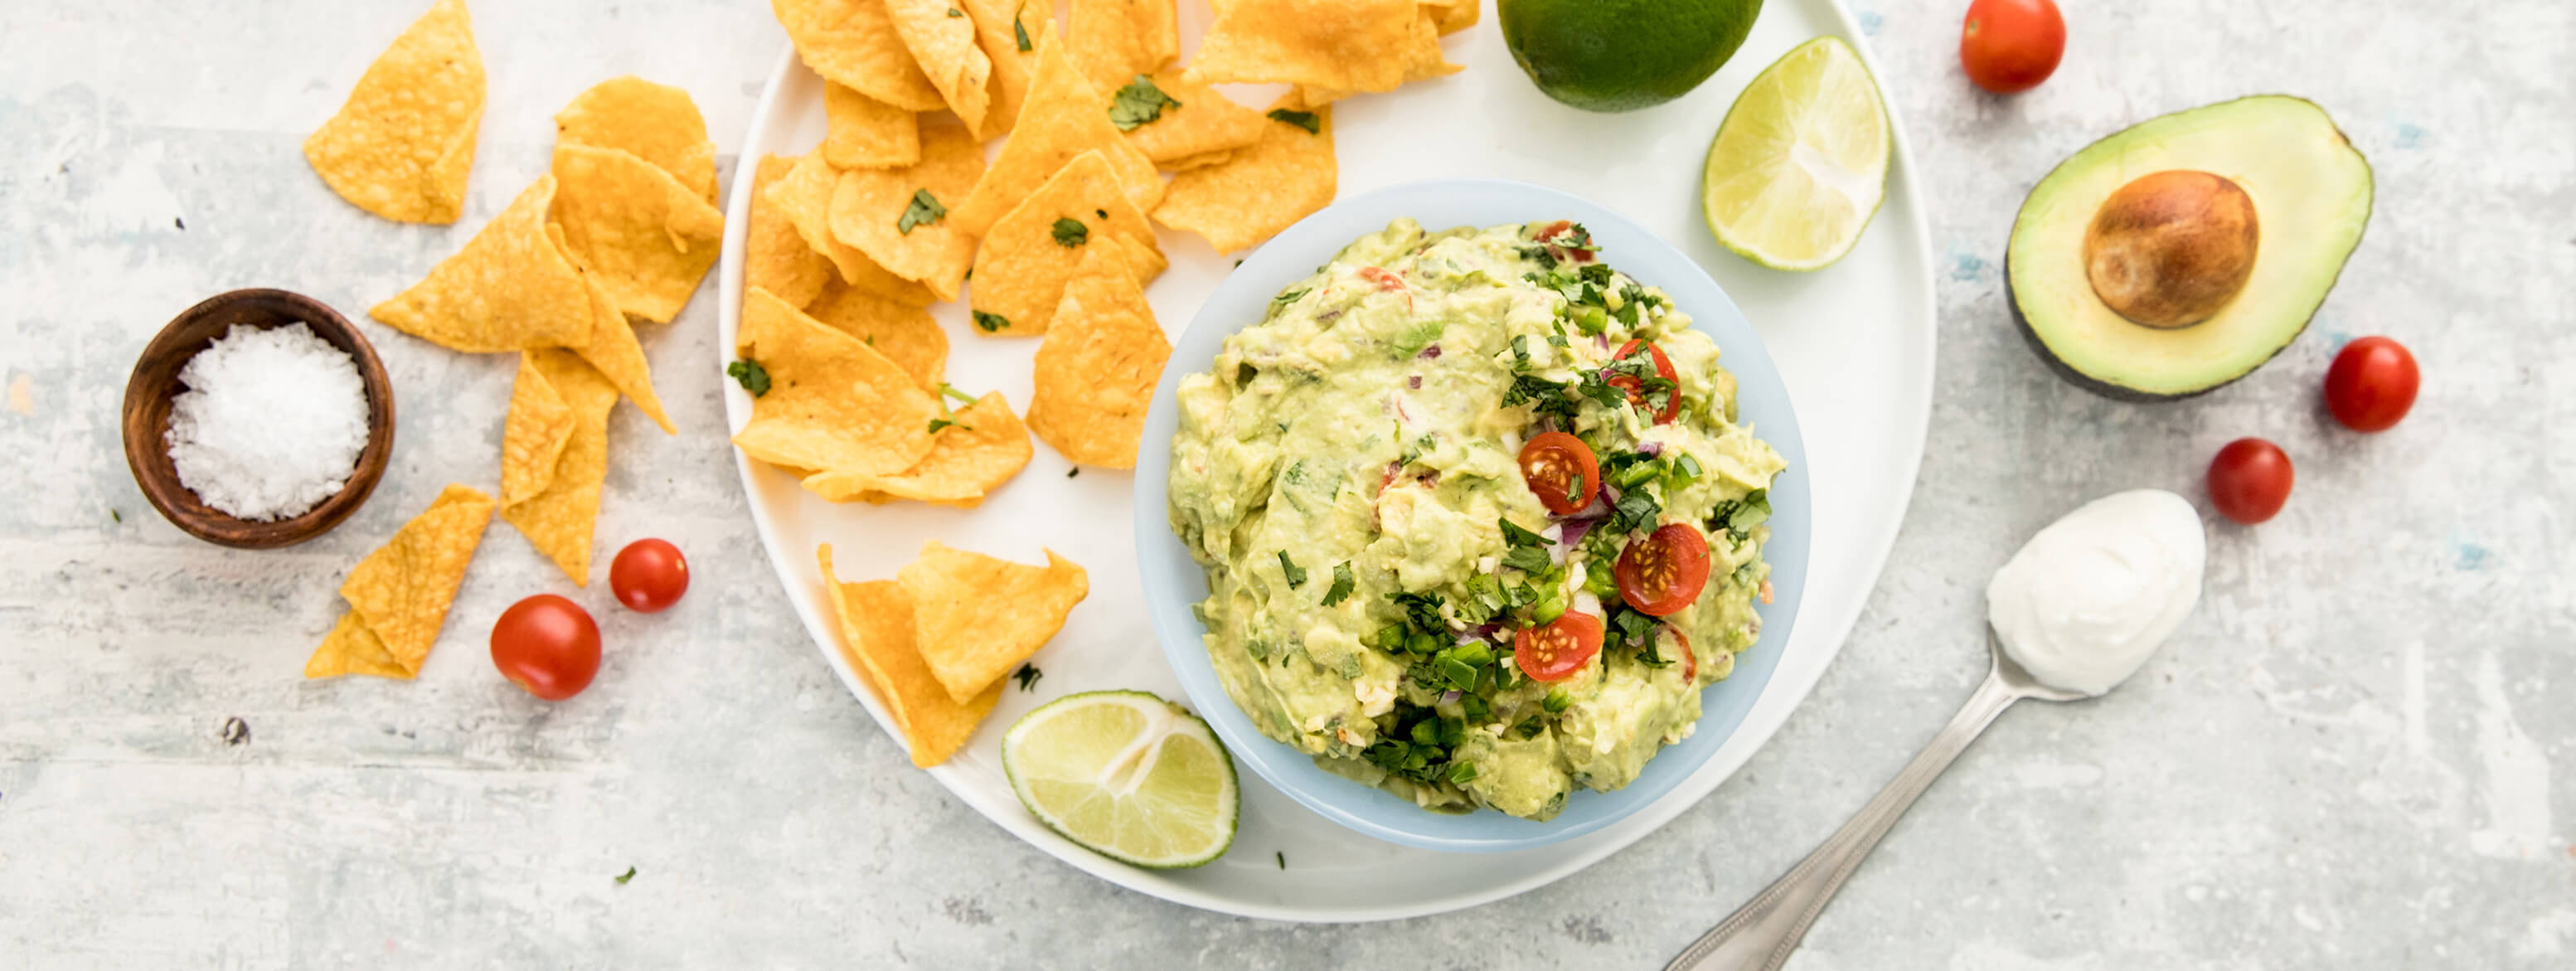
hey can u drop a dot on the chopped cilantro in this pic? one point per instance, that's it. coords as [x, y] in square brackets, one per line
[1634, 511]
[950, 392]
[623, 877]
[1027, 676]
[115, 514]
[1283, 859]
[1138, 103]
[938, 423]
[1301, 119]
[989, 323]
[1423, 609]
[1528, 559]
[1074, 471]
[1296, 574]
[1343, 582]
[1739, 516]
[1070, 232]
[1287, 297]
[1021, 31]
[924, 210]
[1418, 335]
[1514, 535]
[954, 12]
[751, 375]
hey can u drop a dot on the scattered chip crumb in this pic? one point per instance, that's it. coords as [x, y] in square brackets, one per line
[22, 395]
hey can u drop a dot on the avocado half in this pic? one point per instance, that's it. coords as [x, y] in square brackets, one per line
[2181, 253]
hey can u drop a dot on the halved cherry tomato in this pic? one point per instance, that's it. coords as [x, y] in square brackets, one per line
[1636, 388]
[2250, 480]
[548, 645]
[2372, 384]
[649, 576]
[1664, 571]
[1384, 280]
[1561, 470]
[2009, 46]
[1556, 651]
[1562, 252]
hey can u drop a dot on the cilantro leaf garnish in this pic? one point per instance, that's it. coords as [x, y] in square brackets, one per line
[1070, 232]
[1021, 31]
[954, 12]
[1343, 583]
[989, 323]
[938, 423]
[623, 877]
[1027, 676]
[1739, 516]
[751, 375]
[1301, 119]
[950, 392]
[1514, 535]
[1296, 574]
[1137, 103]
[1423, 609]
[924, 210]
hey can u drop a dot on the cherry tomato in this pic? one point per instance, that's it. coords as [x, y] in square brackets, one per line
[649, 576]
[1566, 251]
[1561, 470]
[2372, 384]
[2010, 46]
[1663, 571]
[548, 645]
[2249, 480]
[1636, 388]
[1690, 661]
[1556, 651]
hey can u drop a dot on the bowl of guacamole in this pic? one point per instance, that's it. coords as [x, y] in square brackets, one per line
[1471, 515]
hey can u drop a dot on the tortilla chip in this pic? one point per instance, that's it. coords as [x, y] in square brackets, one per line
[1263, 189]
[656, 122]
[1114, 40]
[774, 257]
[1095, 374]
[905, 334]
[399, 595]
[853, 43]
[1064, 117]
[999, 27]
[401, 146]
[508, 289]
[834, 404]
[1200, 160]
[1021, 269]
[611, 346]
[533, 436]
[877, 640]
[1362, 45]
[983, 447]
[559, 517]
[941, 38]
[872, 210]
[1423, 60]
[1451, 16]
[1204, 128]
[645, 236]
[866, 132]
[975, 617]
[804, 196]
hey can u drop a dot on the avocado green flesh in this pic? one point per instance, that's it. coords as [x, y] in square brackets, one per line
[2312, 195]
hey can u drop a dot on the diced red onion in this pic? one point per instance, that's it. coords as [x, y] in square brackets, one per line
[1414, 381]
[1429, 353]
[1650, 449]
[1601, 341]
[1576, 528]
[1450, 695]
[1431, 479]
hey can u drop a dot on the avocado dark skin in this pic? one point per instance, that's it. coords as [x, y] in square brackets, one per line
[2104, 388]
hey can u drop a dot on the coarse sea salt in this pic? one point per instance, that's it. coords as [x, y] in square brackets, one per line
[271, 424]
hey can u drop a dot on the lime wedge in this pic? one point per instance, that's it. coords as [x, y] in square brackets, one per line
[1800, 163]
[1133, 777]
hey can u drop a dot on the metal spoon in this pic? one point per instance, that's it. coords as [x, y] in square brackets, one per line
[1761, 934]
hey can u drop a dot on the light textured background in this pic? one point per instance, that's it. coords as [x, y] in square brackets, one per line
[2360, 752]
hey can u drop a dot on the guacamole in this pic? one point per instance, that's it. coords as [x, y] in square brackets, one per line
[1413, 575]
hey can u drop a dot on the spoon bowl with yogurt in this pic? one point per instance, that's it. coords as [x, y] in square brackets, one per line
[2075, 612]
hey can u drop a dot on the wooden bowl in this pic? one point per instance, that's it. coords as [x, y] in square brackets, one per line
[156, 380]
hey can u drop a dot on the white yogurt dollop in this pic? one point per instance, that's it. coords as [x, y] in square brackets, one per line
[2088, 598]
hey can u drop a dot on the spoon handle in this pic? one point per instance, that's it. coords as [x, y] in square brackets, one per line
[1760, 935]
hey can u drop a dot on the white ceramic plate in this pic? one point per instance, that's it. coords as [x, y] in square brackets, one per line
[1853, 342]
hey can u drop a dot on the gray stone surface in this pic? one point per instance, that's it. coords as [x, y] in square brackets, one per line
[2360, 753]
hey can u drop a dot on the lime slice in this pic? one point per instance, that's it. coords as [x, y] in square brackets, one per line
[1800, 164]
[1131, 776]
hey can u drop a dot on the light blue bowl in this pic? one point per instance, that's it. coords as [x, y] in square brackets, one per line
[1173, 581]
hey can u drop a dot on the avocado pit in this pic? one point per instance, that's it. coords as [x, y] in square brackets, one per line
[2171, 248]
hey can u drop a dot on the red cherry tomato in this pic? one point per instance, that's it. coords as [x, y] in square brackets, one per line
[2372, 384]
[1636, 388]
[2249, 480]
[649, 576]
[548, 645]
[1663, 571]
[1554, 652]
[1561, 470]
[2010, 46]
[1565, 251]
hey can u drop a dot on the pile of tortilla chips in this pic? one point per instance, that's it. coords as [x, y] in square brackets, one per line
[937, 641]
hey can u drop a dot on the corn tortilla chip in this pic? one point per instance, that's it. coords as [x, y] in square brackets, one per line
[533, 436]
[804, 196]
[559, 518]
[1200, 160]
[774, 257]
[976, 617]
[1423, 60]
[853, 43]
[898, 217]
[1095, 374]
[999, 27]
[941, 37]
[400, 593]
[646, 237]
[402, 144]
[867, 133]
[1021, 269]
[1064, 117]
[1451, 16]
[611, 346]
[905, 334]
[877, 640]
[508, 289]
[1362, 45]
[983, 446]
[1114, 40]
[656, 122]
[1204, 127]
[834, 404]
[1263, 189]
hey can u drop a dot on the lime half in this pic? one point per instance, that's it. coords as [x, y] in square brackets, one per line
[1800, 164]
[1133, 777]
